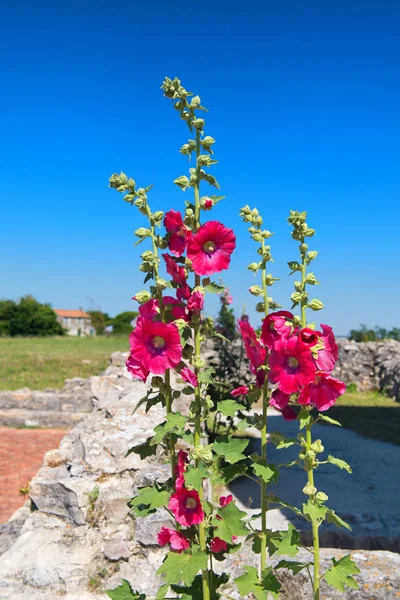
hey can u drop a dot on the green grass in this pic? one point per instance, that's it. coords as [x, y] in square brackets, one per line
[40, 363]
[370, 414]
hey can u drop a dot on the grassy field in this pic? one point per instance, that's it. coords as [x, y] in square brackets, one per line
[370, 414]
[40, 363]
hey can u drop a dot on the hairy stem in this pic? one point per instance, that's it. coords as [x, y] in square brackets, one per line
[265, 402]
[198, 424]
[310, 472]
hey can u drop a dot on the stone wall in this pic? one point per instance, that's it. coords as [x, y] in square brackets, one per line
[370, 366]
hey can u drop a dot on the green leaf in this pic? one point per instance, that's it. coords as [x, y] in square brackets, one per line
[313, 511]
[175, 423]
[293, 566]
[248, 583]
[286, 443]
[272, 499]
[341, 573]
[195, 475]
[214, 288]
[342, 464]
[195, 590]
[285, 542]
[329, 420]
[181, 567]
[229, 408]
[228, 474]
[267, 472]
[125, 592]
[144, 450]
[332, 517]
[148, 500]
[304, 417]
[230, 448]
[231, 522]
[206, 375]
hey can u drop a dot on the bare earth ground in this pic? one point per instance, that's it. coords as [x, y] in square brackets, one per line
[21, 455]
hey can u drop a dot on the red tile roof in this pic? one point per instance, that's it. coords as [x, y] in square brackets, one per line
[72, 314]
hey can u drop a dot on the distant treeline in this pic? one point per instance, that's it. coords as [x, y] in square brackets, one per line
[28, 317]
[365, 334]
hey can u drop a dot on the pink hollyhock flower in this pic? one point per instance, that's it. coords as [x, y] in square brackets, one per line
[136, 369]
[186, 507]
[243, 390]
[224, 500]
[175, 539]
[179, 234]
[229, 300]
[176, 309]
[180, 469]
[188, 376]
[327, 357]
[280, 401]
[308, 337]
[255, 352]
[156, 345]
[323, 392]
[177, 273]
[275, 326]
[210, 248]
[291, 365]
[217, 545]
[196, 301]
[149, 309]
[183, 292]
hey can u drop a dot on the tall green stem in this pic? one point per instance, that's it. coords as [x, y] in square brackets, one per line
[265, 402]
[167, 380]
[198, 424]
[310, 472]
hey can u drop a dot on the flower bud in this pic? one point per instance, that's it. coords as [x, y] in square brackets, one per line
[187, 351]
[161, 284]
[147, 255]
[255, 290]
[146, 267]
[311, 279]
[315, 304]
[195, 102]
[206, 203]
[157, 381]
[297, 285]
[258, 220]
[312, 254]
[206, 281]
[321, 497]
[158, 216]
[142, 232]
[260, 307]
[142, 297]
[253, 267]
[294, 265]
[176, 394]
[197, 362]
[257, 237]
[317, 447]
[198, 124]
[203, 453]
[255, 212]
[309, 490]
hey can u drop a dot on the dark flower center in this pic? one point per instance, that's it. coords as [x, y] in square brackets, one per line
[191, 503]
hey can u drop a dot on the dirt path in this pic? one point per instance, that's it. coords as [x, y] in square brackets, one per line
[21, 455]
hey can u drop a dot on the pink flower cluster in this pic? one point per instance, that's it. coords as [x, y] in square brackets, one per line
[155, 344]
[300, 362]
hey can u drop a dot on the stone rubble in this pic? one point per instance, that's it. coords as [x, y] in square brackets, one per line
[80, 538]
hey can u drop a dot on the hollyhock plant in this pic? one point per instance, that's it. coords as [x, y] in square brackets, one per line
[175, 539]
[210, 248]
[243, 390]
[186, 507]
[328, 355]
[156, 345]
[180, 469]
[275, 326]
[280, 401]
[217, 545]
[322, 392]
[291, 365]
[179, 234]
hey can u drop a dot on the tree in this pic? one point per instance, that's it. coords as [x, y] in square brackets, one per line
[28, 317]
[99, 320]
[122, 323]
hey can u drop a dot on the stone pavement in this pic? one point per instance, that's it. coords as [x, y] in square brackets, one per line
[368, 498]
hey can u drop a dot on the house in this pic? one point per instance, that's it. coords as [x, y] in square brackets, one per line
[76, 322]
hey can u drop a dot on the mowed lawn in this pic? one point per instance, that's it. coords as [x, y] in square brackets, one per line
[40, 363]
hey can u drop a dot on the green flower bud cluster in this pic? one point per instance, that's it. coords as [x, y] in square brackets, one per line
[300, 232]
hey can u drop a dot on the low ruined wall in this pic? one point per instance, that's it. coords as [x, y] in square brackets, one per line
[370, 366]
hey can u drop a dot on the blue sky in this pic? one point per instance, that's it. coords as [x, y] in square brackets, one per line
[304, 106]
